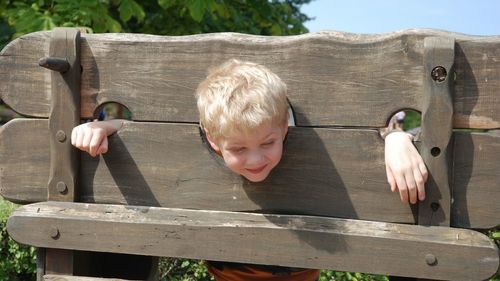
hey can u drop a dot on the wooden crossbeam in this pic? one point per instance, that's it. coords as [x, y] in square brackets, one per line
[286, 240]
[333, 78]
[327, 172]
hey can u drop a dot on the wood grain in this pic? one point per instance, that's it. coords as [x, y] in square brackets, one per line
[437, 119]
[285, 240]
[333, 78]
[328, 172]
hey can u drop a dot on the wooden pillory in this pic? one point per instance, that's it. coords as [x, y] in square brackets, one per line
[160, 192]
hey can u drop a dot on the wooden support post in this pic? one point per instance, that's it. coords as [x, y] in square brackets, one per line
[437, 114]
[64, 61]
[437, 125]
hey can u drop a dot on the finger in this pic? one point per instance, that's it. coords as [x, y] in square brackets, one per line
[103, 148]
[412, 187]
[420, 185]
[94, 144]
[403, 188]
[390, 179]
[73, 136]
[86, 139]
[423, 171]
[79, 138]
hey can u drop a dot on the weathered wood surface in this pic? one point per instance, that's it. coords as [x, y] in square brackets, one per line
[333, 78]
[50, 277]
[437, 125]
[286, 240]
[64, 115]
[327, 172]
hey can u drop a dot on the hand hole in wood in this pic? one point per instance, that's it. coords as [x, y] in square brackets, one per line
[112, 110]
[408, 120]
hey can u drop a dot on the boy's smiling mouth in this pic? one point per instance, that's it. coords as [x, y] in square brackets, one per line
[257, 170]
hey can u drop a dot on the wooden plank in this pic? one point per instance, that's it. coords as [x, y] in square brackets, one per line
[24, 169]
[285, 240]
[333, 78]
[64, 115]
[50, 277]
[437, 115]
[326, 172]
[471, 184]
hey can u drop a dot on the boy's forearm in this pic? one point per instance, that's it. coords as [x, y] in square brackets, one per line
[112, 126]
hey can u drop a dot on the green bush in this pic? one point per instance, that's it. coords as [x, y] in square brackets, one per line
[172, 269]
[17, 262]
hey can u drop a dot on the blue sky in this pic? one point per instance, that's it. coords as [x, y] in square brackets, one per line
[476, 17]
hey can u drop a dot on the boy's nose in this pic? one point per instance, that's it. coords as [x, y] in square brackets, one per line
[254, 158]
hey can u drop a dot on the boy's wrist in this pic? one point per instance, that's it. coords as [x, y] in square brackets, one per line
[114, 126]
[396, 131]
[386, 133]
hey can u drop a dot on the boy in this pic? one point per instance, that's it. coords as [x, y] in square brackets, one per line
[244, 112]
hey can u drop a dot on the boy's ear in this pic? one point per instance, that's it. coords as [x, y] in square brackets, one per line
[212, 143]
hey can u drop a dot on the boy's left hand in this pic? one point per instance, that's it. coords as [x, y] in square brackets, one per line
[405, 168]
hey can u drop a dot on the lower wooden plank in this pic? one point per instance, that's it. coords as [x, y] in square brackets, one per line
[327, 172]
[50, 277]
[285, 240]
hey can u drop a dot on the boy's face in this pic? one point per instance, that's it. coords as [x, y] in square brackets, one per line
[252, 155]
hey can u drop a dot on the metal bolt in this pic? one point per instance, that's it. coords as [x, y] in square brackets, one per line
[430, 259]
[438, 74]
[54, 233]
[61, 187]
[56, 64]
[60, 136]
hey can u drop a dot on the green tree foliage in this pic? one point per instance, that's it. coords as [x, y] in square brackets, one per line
[163, 17]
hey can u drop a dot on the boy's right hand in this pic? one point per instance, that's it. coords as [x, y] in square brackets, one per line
[92, 137]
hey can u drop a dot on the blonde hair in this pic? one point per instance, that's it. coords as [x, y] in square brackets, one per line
[240, 96]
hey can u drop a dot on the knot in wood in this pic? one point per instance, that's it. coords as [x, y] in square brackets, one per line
[434, 206]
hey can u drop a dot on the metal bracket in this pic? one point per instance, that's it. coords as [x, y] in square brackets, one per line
[437, 123]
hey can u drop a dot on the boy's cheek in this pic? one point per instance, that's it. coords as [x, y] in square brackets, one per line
[231, 162]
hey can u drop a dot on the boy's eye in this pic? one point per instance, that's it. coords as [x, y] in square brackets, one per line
[269, 143]
[237, 149]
